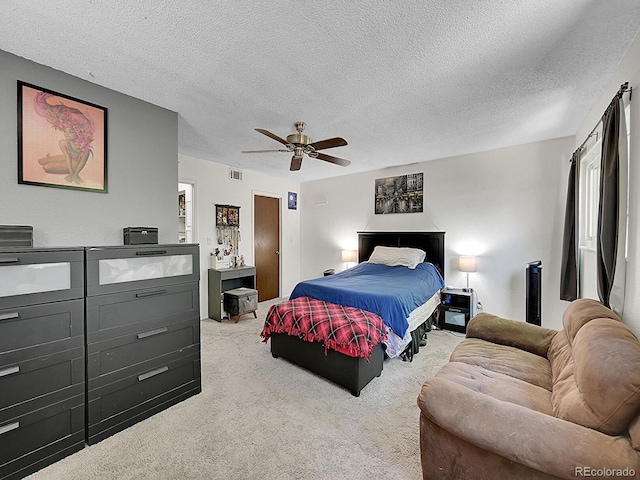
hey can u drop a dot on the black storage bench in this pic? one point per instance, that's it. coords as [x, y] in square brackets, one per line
[240, 301]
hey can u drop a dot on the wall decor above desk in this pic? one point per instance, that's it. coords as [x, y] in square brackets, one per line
[227, 216]
[228, 234]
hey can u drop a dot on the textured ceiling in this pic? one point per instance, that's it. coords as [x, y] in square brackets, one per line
[401, 81]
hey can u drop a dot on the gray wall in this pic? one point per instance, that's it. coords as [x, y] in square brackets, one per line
[142, 168]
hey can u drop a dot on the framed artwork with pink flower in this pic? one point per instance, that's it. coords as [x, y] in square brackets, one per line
[62, 141]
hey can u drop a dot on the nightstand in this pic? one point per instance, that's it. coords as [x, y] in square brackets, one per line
[457, 307]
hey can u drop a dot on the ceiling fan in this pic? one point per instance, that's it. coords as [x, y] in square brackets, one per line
[300, 144]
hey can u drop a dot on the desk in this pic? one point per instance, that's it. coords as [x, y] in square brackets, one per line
[227, 279]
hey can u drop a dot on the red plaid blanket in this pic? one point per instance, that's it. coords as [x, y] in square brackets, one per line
[349, 330]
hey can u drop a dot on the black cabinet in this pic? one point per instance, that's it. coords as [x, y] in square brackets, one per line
[42, 361]
[143, 333]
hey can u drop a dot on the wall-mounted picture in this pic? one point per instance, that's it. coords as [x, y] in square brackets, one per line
[293, 201]
[401, 194]
[62, 141]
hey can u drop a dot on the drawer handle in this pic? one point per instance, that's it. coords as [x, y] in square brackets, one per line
[151, 333]
[9, 371]
[9, 260]
[9, 316]
[152, 373]
[152, 252]
[8, 428]
[150, 294]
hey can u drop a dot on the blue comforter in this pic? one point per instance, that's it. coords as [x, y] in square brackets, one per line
[390, 292]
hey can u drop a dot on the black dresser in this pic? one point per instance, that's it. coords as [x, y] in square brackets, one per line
[42, 361]
[92, 340]
[143, 333]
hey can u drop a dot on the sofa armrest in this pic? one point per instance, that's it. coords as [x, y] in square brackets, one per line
[536, 440]
[525, 336]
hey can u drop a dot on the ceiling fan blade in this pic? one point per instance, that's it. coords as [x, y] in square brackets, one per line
[328, 143]
[272, 135]
[263, 151]
[330, 158]
[296, 163]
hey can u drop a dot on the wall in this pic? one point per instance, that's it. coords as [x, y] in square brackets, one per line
[506, 206]
[213, 186]
[142, 172]
[627, 71]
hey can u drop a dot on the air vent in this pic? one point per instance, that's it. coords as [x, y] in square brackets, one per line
[235, 174]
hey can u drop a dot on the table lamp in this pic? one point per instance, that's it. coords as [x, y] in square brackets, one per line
[468, 263]
[349, 256]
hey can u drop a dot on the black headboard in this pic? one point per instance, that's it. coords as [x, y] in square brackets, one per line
[431, 242]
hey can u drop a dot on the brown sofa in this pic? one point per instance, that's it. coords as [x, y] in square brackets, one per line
[518, 401]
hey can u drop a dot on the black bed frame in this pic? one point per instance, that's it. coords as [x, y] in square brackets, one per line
[351, 372]
[431, 242]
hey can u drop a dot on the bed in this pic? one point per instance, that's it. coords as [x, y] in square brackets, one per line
[379, 291]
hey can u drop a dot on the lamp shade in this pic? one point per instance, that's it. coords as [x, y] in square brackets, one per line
[349, 255]
[468, 263]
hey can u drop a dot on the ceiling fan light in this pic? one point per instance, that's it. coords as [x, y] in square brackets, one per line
[298, 138]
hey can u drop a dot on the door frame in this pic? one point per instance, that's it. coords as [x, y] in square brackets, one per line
[279, 196]
[194, 216]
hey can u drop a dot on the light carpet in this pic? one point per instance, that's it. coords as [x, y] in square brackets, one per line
[264, 418]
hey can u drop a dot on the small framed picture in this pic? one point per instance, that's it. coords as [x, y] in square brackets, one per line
[227, 216]
[62, 141]
[293, 201]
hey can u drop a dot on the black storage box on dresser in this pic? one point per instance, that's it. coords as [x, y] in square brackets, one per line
[140, 235]
[16, 236]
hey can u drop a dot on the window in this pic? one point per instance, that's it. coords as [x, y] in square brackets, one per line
[590, 190]
[589, 201]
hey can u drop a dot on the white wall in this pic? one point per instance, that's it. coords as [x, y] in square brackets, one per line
[627, 71]
[213, 186]
[506, 206]
[142, 141]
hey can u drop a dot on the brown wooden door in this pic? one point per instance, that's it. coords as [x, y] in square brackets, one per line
[266, 231]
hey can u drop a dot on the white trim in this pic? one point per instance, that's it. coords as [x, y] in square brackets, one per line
[194, 205]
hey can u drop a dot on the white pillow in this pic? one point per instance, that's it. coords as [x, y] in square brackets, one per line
[394, 256]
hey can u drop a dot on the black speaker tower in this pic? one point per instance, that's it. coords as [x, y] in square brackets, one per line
[534, 292]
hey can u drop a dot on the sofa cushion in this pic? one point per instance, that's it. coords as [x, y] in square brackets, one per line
[560, 356]
[511, 361]
[498, 385]
[581, 311]
[599, 387]
[524, 336]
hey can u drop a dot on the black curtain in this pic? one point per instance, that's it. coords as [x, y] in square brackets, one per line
[607, 244]
[569, 265]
